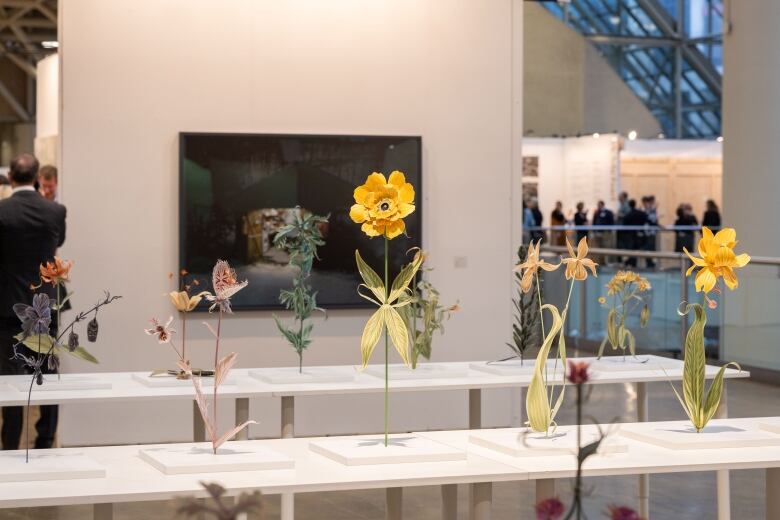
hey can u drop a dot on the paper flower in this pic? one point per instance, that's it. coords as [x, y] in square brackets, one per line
[622, 279]
[718, 259]
[382, 204]
[549, 509]
[223, 278]
[531, 266]
[183, 302]
[55, 272]
[163, 332]
[578, 372]
[622, 513]
[35, 318]
[576, 263]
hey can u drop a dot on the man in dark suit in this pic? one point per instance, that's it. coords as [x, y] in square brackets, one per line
[31, 230]
[635, 217]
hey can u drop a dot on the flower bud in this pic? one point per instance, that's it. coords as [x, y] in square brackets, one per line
[92, 330]
[73, 341]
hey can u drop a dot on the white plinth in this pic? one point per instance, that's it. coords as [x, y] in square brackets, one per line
[47, 465]
[523, 442]
[716, 435]
[618, 363]
[291, 375]
[359, 451]
[198, 458]
[513, 367]
[170, 381]
[771, 424]
[66, 382]
[423, 371]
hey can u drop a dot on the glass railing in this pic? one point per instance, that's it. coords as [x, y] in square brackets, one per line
[745, 326]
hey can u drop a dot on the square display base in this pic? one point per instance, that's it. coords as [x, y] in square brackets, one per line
[523, 442]
[198, 458]
[52, 383]
[423, 371]
[169, 381]
[770, 424]
[45, 465]
[631, 363]
[291, 375]
[513, 367]
[359, 451]
[678, 435]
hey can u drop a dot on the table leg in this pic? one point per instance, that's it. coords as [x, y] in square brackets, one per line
[722, 476]
[545, 488]
[482, 500]
[198, 427]
[449, 502]
[475, 423]
[242, 415]
[394, 503]
[772, 493]
[103, 511]
[643, 493]
[288, 432]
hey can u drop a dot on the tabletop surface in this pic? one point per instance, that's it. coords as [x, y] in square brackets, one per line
[125, 387]
[130, 479]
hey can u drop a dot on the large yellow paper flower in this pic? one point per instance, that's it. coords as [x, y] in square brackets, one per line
[531, 265]
[576, 263]
[381, 204]
[718, 259]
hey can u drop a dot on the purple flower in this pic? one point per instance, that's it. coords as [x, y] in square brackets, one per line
[549, 509]
[35, 318]
[622, 513]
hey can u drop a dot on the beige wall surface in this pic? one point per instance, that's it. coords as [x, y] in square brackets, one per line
[568, 86]
[135, 74]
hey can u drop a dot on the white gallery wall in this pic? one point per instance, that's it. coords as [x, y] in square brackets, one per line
[136, 73]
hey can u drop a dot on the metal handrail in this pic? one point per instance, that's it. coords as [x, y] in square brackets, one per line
[665, 255]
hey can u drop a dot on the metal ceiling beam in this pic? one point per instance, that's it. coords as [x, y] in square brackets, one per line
[14, 103]
[641, 41]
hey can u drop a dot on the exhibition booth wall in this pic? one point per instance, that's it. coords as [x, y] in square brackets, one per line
[134, 75]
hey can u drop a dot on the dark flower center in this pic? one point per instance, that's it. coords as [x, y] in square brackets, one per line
[384, 206]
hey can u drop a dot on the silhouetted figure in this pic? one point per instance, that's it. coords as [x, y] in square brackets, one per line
[581, 219]
[711, 217]
[557, 218]
[684, 238]
[634, 217]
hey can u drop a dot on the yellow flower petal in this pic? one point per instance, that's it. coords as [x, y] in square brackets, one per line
[375, 181]
[571, 250]
[372, 230]
[397, 179]
[705, 280]
[358, 213]
[726, 237]
[582, 248]
[394, 229]
[730, 278]
[742, 260]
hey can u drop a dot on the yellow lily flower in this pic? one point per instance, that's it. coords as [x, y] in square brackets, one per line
[576, 263]
[183, 302]
[717, 260]
[531, 266]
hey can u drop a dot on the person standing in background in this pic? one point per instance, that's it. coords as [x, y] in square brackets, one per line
[652, 221]
[602, 216]
[538, 219]
[31, 230]
[528, 222]
[711, 217]
[47, 182]
[635, 217]
[624, 238]
[557, 218]
[581, 219]
[684, 238]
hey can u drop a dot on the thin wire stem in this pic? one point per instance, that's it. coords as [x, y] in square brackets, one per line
[387, 346]
[216, 362]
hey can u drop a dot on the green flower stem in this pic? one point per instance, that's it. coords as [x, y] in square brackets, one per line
[216, 362]
[57, 331]
[387, 346]
[563, 331]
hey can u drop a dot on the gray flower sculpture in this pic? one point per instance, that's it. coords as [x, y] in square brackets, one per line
[35, 318]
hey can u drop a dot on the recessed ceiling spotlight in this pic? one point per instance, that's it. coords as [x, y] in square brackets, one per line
[50, 44]
[596, 135]
[661, 135]
[719, 139]
[632, 135]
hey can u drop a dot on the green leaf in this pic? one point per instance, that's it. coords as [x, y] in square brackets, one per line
[401, 282]
[694, 364]
[537, 405]
[39, 343]
[714, 394]
[81, 353]
[371, 334]
[398, 332]
[371, 279]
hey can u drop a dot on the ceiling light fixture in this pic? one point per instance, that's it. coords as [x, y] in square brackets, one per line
[50, 44]
[632, 135]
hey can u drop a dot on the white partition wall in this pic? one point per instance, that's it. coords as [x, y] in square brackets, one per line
[137, 73]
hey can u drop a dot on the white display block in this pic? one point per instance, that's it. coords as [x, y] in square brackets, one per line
[359, 451]
[47, 465]
[771, 424]
[199, 458]
[52, 383]
[291, 375]
[170, 381]
[618, 363]
[513, 367]
[423, 371]
[678, 435]
[524, 442]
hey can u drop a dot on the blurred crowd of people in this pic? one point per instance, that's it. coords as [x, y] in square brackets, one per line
[640, 220]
